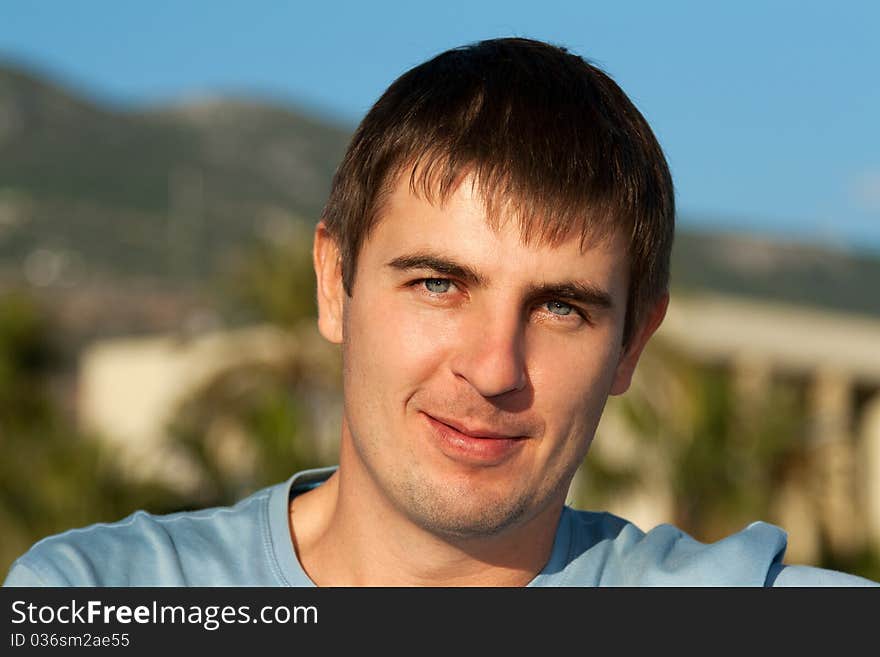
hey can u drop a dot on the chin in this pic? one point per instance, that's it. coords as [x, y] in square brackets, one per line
[448, 511]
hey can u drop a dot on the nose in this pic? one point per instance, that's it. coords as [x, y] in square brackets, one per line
[491, 355]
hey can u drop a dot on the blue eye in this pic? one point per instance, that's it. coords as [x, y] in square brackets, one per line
[554, 306]
[437, 285]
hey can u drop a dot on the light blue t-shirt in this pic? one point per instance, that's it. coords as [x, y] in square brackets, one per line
[249, 544]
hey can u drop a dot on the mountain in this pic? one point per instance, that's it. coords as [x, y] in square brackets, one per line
[791, 272]
[164, 193]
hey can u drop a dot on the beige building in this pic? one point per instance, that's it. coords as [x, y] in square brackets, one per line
[834, 356]
[130, 389]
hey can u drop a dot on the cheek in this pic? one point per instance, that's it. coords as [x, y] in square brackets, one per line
[572, 382]
[392, 345]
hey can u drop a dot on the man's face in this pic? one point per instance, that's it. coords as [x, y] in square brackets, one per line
[475, 368]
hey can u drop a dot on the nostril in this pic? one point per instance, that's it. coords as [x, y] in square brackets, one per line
[493, 377]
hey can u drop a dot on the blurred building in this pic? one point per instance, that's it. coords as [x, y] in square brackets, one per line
[834, 357]
[130, 389]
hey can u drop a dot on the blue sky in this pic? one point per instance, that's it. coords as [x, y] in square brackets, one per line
[768, 111]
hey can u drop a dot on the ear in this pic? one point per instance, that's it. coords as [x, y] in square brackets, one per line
[328, 274]
[630, 357]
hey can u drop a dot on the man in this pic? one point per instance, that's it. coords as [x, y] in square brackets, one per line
[493, 258]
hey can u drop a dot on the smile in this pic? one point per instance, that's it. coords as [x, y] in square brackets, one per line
[482, 447]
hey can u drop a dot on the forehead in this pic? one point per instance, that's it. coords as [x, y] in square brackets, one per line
[461, 226]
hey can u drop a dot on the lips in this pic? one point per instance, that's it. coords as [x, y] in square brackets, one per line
[476, 432]
[473, 446]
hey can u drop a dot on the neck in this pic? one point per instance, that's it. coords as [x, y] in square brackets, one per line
[344, 537]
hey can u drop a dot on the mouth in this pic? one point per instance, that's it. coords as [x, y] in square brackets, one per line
[473, 445]
[475, 432]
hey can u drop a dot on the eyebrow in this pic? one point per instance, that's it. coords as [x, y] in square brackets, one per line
[579, 291]
[441, 265]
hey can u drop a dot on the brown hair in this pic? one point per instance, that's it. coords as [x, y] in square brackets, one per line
[550, 139]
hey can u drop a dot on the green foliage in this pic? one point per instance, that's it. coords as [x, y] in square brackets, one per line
[253, 426]
[688, 424]
[864, 563]
[249, 428]
[274, 281]
[727, 470]
[25, 356]
[52, 477]
[725, 450]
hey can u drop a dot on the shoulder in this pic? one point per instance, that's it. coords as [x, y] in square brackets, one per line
[793, 575]
[605, 549]
[209, 547]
